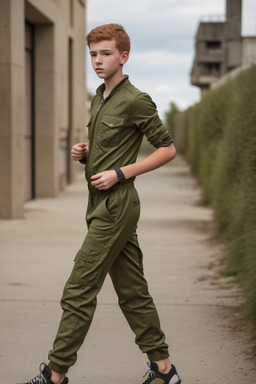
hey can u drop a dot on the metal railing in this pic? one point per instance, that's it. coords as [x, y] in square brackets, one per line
[213, 19]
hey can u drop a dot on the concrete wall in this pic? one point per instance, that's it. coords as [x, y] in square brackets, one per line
[249, 50]
[59, 97]
[234, 54]
[248, 56]
[12, 107]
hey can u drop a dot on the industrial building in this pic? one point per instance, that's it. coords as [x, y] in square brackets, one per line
[42, 98]
[220, 48]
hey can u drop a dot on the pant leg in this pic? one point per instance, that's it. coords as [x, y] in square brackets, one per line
[112, 217]
[135, 301]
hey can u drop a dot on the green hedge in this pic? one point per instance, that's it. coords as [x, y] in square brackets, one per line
[222, 153]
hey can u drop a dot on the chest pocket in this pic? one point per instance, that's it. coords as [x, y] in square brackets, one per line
[111, 130]
[89, 133]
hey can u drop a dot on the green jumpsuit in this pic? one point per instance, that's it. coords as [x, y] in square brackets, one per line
[116, 128]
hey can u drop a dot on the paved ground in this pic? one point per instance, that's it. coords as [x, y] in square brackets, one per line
[198, 313]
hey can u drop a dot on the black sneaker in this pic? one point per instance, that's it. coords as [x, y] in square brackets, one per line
[44, 376]
[156, 377]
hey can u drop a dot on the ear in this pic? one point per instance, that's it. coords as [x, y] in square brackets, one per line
[124, 57]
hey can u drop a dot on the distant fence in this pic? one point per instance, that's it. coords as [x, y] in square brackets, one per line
[213, 18]
[218, 137]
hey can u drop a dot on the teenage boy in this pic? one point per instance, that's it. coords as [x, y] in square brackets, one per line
[120, 116]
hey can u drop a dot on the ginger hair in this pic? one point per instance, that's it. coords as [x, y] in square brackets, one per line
[110, 32]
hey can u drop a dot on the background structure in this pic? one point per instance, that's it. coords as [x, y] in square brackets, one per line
[42, 97]
[221, 48]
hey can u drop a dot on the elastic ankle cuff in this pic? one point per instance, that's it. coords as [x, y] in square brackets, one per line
[57, 368]
[156, 355]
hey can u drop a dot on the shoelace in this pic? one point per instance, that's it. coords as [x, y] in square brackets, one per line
[151, 374]
[38, 380]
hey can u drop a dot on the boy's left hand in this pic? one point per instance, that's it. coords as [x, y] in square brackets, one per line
[104, 180]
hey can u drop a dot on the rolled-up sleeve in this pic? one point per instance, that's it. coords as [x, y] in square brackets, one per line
[147, 120]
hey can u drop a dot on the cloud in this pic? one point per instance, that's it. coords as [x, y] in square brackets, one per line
[160, 59]
[164, 89]
[139, 12]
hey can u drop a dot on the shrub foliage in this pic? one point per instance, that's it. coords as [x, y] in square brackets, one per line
[222, 153]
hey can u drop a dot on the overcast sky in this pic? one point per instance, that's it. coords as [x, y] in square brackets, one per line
[162, 36]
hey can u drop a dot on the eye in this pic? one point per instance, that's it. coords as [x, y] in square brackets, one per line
[93, 54]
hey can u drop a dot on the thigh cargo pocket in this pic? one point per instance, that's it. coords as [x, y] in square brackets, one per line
[88, 266]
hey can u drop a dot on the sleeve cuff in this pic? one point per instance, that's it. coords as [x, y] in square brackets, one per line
[83, 160]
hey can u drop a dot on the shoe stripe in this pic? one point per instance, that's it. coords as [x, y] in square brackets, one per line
[175, 380]
[40, 379]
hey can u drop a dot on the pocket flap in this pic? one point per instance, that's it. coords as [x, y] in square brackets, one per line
[89, 121]
[112, 121]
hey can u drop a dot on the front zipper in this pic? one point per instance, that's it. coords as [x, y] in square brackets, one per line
[94, 125]
[97, 114]
[99, 107]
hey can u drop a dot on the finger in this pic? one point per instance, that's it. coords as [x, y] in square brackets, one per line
[77, 148]
[77, 153]
[82, 145]
[96, 177]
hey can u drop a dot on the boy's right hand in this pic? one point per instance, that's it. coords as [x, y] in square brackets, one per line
[79, 151]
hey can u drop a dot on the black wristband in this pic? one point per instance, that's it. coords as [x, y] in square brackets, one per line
[120, 175]
[83, 160]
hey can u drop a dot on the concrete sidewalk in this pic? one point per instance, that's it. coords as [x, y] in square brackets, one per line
[180, 258]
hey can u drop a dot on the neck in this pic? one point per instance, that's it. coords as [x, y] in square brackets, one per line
[111, 83]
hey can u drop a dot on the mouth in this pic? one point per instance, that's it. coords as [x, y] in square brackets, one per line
[98, 69]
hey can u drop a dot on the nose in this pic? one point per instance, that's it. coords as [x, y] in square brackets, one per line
[98, 59]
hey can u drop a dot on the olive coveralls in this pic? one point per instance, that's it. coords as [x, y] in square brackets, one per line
[116, 129]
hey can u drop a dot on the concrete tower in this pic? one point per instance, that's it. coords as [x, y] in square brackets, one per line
[232, 32]
[233, 19]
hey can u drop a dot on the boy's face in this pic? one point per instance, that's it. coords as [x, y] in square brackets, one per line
[106, 59]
